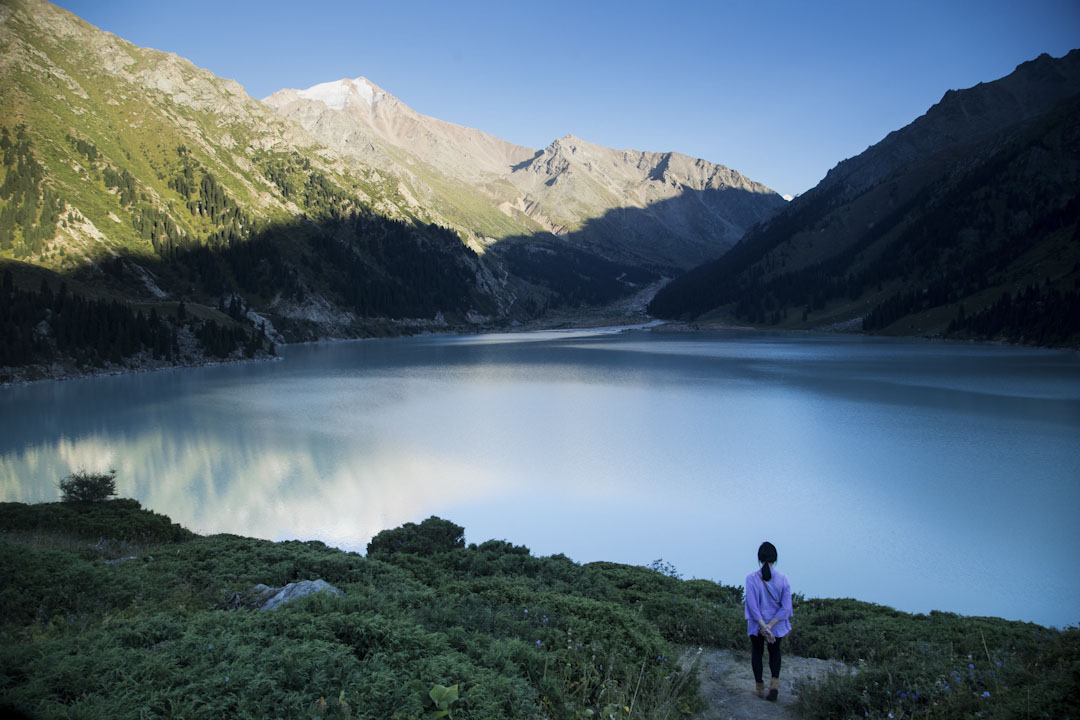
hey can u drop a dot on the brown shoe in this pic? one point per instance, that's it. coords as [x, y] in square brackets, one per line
[774, 689]
[759, 689]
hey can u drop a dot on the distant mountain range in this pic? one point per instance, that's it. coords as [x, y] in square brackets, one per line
[663, 210]
[963, 223]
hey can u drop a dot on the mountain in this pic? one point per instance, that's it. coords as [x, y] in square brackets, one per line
[962, 223]
[153, 213]
[661, 211]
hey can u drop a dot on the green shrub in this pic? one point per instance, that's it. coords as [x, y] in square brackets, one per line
[519, 636]
[83, 486]
[939, 665]
[430, 537]
[122, 519]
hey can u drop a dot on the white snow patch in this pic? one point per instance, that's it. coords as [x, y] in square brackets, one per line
[339, 93]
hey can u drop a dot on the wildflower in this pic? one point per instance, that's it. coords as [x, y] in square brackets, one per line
[998, 663]
[970, 666]
[986, 693]
[537, 643]
[946, 687]
[527, 612]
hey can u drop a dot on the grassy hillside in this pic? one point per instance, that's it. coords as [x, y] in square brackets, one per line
[109, 610]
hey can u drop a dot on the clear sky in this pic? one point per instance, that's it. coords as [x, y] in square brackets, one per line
[780, 91]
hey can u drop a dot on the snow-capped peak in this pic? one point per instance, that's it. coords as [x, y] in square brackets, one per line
[339, 93]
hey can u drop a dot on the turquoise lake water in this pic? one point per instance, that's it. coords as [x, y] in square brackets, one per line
[921, 475]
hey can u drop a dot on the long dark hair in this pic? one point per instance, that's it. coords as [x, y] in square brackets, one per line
[766, 554]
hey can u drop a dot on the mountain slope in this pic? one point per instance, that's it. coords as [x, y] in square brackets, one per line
[440, 167]
[973, 202]
[494, 190]
[130, 176]
[689, 209]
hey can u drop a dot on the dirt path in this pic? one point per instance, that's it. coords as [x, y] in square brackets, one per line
[728, 684]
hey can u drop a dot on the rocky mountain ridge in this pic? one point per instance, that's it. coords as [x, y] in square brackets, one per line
[961, 117]
[496, 190]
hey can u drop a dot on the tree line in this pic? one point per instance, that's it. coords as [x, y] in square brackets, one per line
[46, 325]
[1037, 314]
[31, 207]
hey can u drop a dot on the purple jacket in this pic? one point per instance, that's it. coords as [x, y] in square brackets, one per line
[768, 600]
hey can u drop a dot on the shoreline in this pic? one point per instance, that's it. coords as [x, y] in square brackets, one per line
[67, 375]
[17, 376]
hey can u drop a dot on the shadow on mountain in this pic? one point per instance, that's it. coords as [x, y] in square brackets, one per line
[353, 273]
[615, 254]
[525, 163]
[348, 275]
[985, 248]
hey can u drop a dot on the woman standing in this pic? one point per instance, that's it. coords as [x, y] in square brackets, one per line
[768, 617]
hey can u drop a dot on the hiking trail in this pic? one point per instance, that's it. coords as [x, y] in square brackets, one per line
[728, 683]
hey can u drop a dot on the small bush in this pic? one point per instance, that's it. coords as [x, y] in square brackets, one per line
[83, 486]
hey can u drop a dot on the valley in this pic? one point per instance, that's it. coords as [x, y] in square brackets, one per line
[131, 176]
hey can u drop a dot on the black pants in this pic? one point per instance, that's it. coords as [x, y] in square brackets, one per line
[757, 649]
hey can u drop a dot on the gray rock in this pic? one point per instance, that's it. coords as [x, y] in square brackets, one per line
[293, 591]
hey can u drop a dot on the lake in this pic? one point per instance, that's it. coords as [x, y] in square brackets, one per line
[921, 475]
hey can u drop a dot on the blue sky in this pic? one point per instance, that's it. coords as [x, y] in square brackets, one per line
[779, 91]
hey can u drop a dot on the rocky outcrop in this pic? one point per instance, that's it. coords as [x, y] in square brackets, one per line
[297, 590]
[263, 597]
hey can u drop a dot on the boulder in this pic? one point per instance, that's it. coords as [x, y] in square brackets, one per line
[293, 591]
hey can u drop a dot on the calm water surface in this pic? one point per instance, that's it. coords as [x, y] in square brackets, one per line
[914, 474]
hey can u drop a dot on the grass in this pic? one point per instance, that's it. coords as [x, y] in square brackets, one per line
[109, 610]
